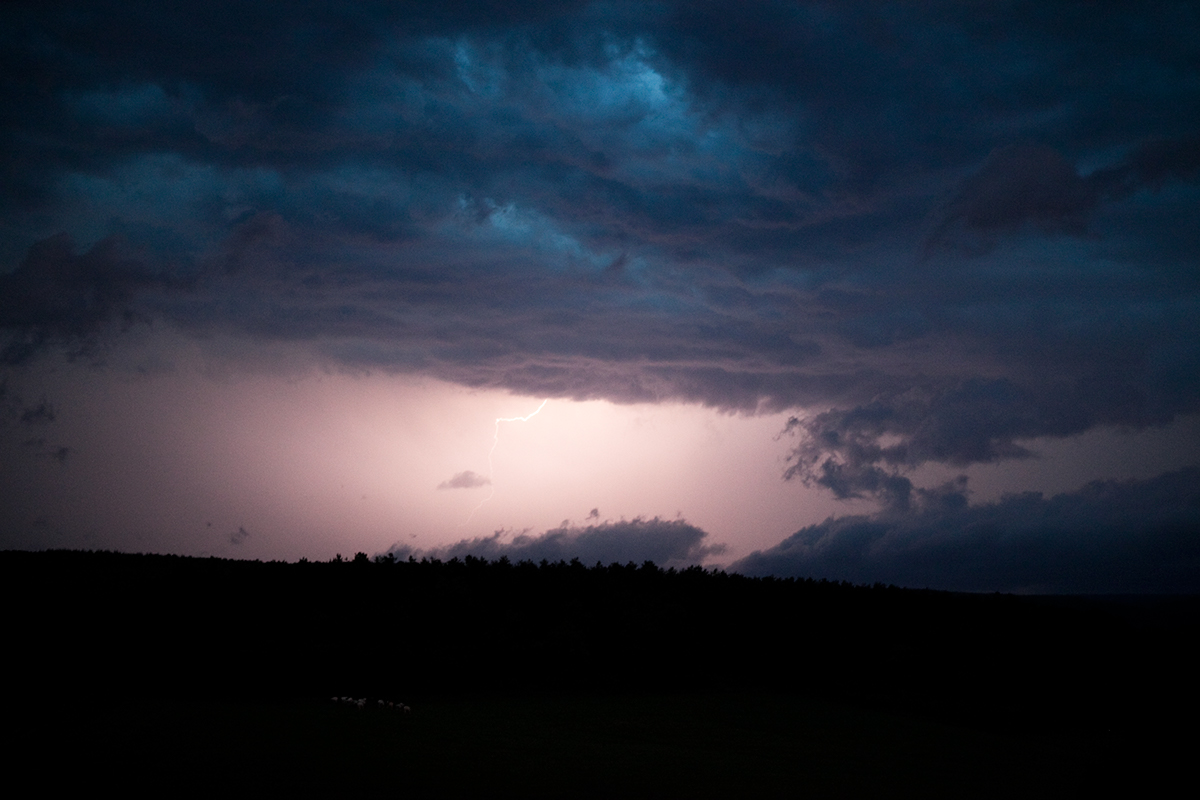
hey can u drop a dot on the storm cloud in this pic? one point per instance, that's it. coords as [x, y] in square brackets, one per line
[934, 231]
[1110, 536]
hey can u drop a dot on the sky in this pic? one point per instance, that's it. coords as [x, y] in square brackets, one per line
[886, 292]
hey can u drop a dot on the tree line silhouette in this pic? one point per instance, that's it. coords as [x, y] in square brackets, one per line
[104, 622]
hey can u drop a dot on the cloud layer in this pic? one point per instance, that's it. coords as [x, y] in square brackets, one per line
[1127, 536]
[941, 230]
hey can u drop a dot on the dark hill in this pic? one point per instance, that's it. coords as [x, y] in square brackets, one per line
[111, 622]
[164, 658]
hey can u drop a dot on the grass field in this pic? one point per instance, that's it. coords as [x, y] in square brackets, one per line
[721, 745]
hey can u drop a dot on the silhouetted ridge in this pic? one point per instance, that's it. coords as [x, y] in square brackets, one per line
[110, 622]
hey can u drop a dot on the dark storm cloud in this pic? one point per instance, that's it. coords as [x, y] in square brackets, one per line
[668, 543]
[1035, 185]
[1111, 536]
[42, 413]
[55, 296]
[465, 480]
[1021, 184]
[944, 229]
[858, 452]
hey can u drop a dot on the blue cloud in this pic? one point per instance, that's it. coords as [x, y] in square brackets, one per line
[981, 226]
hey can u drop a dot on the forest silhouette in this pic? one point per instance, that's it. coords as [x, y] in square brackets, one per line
[1110, 672]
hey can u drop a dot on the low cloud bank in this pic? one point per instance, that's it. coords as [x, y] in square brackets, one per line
[668, 543]
[1108, 537]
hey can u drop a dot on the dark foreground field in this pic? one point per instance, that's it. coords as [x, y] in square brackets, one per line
[691, 745]
[167, 675]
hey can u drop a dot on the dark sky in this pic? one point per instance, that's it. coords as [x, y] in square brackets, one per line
[925, 240]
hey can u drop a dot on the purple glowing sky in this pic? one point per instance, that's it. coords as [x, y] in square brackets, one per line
[860, 291]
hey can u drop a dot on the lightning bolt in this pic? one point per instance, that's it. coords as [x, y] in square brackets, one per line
[495, 442]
